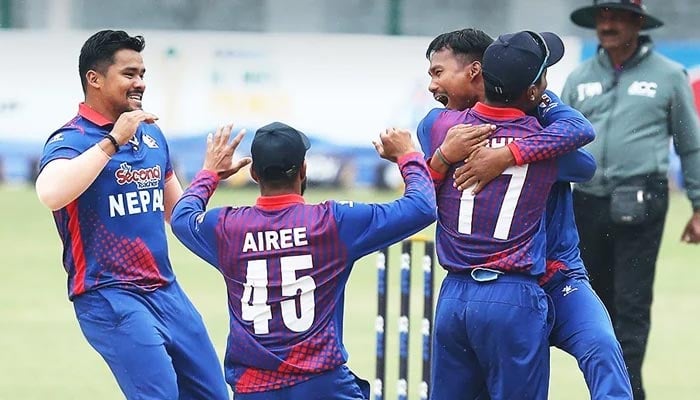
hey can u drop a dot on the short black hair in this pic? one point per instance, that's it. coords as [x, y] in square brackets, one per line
[467, 42]
[98, 51]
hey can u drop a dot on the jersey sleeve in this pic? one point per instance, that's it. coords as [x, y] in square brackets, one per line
[683, 121]
[67, 142]
[192, 224]
[168, 163]
[425, 126]
[566, 129]
[577, 166]
[369, 227]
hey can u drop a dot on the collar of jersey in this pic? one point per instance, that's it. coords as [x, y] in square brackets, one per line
[497, 112]
[93, 116]
[277, 202]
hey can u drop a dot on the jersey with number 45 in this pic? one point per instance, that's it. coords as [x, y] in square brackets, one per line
[501, 227]
[286, 264]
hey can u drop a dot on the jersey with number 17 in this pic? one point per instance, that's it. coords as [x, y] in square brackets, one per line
[502, 226]
[286, 264]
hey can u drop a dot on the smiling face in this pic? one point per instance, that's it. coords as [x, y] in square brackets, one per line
[617, 29]
[455, 80]
[120, 87]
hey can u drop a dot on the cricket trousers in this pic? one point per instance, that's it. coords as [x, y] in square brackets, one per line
[621, 261]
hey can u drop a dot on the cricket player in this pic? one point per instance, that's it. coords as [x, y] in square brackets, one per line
[493, 319]
[107, 177]
[286, 262]
[582, 326]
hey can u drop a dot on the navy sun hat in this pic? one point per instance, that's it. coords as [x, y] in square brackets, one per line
[278, 151]
[515, 61]
[585, 16]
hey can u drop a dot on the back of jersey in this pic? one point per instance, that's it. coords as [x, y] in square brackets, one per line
[289, 267]
[500, 227]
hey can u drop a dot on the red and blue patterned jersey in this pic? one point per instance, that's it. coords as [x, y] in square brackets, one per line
[114, 233]
[562, 234]
[286, 264]
[501, 227]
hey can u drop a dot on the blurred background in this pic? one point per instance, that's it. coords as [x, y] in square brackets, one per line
[340, 70]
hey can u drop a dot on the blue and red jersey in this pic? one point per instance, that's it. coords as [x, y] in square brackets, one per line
[286, 264]
[502, 227]
[114, 233]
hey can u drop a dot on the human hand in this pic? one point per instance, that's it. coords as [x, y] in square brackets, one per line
[483, 166]
[394, 143]
[128, 122]
[219, 154]
[461, 140]
[691, 233]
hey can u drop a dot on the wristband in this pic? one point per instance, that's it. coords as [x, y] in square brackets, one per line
[114, 142]
[442, 157]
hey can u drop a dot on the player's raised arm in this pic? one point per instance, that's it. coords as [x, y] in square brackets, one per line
[369, 227]
[565, 130]
[67, 173]
[458, 141]
[190, 223]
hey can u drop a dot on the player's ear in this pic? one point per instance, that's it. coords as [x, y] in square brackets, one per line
[474, 69]
[93, 79]
[302, 171]
[253, 174]
[532, 93]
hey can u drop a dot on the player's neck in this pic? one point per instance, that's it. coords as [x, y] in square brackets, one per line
[518, 105]
[277, 192]
[101, 108]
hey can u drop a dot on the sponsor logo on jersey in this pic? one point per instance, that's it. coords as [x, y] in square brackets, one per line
[145, 178]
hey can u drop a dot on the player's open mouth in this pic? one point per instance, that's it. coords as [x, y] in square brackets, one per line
[441, 98]
[135, 97]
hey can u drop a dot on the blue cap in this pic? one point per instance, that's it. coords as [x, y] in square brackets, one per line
[278, 151]
[515, 61]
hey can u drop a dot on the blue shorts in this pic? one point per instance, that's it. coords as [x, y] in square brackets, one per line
[491, 338]
[155, 343]
[336, 384]
[583, 329]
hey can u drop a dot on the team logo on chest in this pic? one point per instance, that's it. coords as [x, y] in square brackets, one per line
[149, 141]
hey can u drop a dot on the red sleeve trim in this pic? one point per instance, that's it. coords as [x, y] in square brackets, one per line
[513, 147]
[435, 175]
[407, 157]
[212, 174]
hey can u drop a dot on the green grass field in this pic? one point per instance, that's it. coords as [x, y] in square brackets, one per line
[44, 356]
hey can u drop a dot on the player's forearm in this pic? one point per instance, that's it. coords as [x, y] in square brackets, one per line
[565, 130]
[419, 189]
[196, 197]
[561, 137]
[173, 192]
[64, 180]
